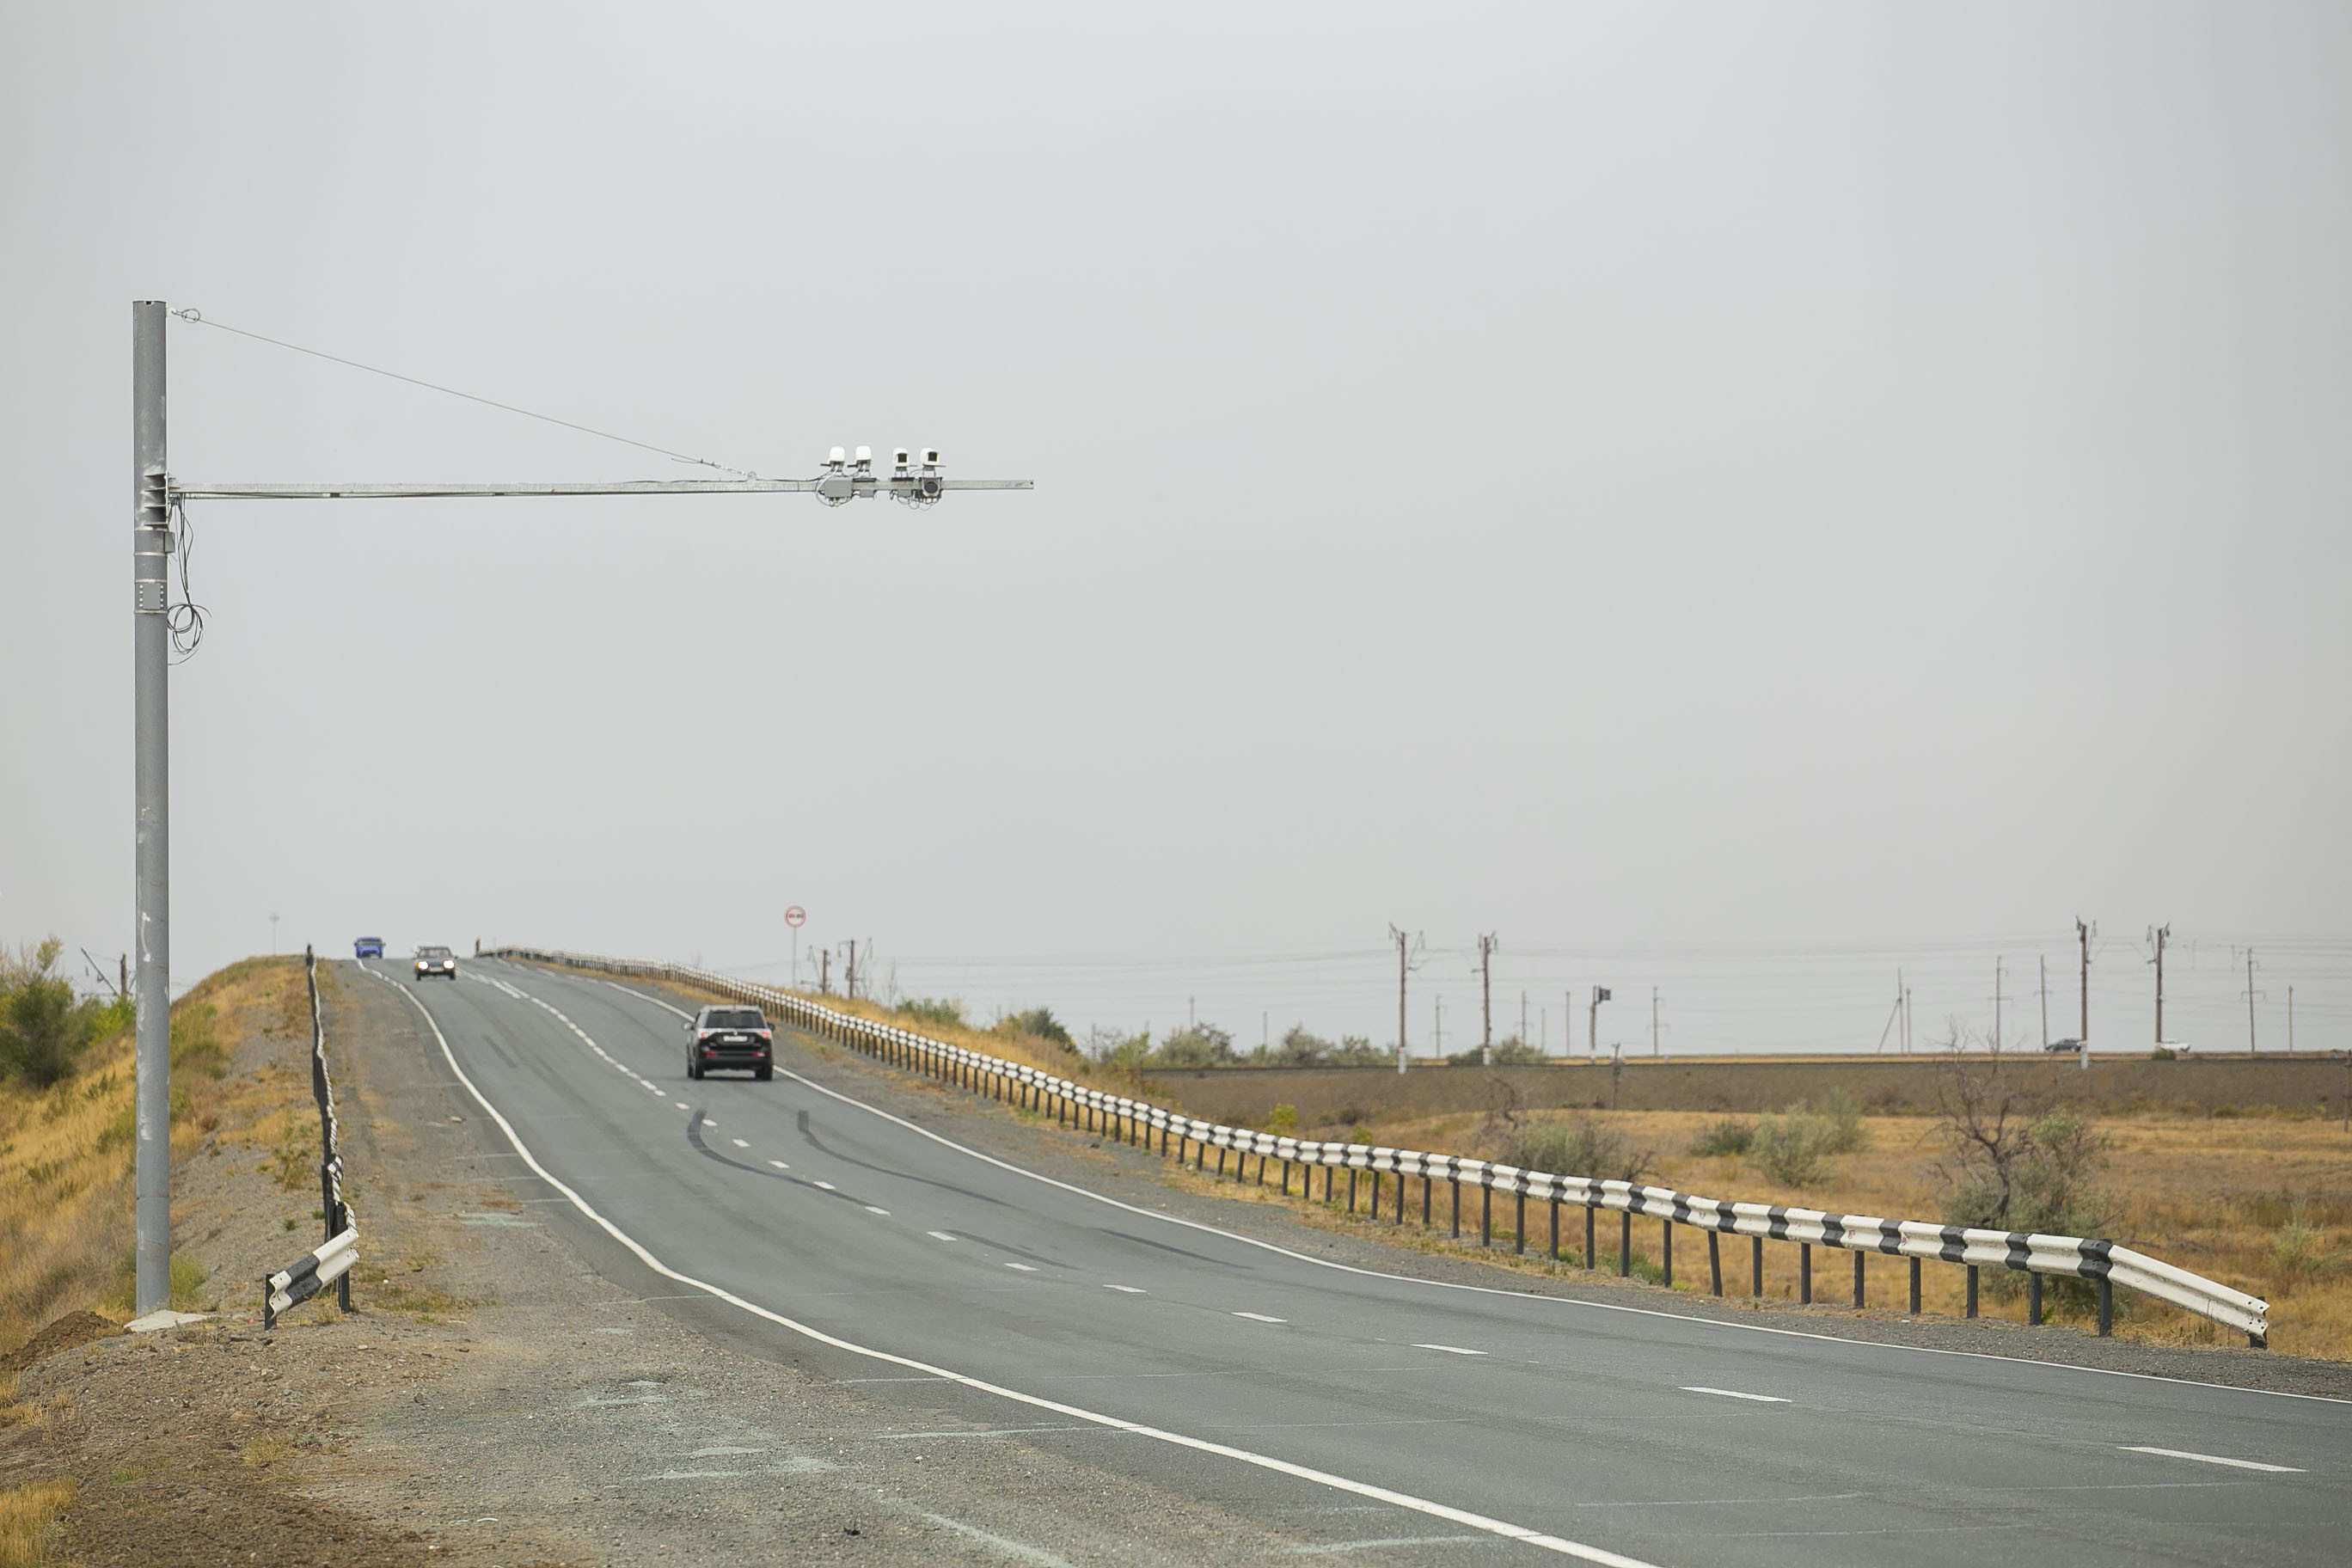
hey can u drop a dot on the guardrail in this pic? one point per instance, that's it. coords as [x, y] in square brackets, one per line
[329, 1263]
[2104, 1263]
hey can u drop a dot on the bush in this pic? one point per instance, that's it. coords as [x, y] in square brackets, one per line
[1299, 1048]
[938, 1011]
[1582, 1146]
[1282, 1119]
[1513, 1053]
[43, 1028]
[1195, 1045]
[1726, 1137]
[1793, 1149]
[1041, 1024]
[2299, 1252]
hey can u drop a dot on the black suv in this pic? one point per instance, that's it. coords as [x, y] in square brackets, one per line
[730, 1037]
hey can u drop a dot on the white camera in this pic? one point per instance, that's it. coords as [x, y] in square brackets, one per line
[835, 459]
[930, 456]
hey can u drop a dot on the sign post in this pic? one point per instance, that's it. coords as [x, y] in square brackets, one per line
[795, 917]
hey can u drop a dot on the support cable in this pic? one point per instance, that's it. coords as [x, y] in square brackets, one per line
[197, 318]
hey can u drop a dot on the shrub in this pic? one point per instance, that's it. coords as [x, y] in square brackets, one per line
[1581, 1146]
[1726, 1137]
[938, 1011]
[1041, 1023]
[1793, 1149]
[43, 1028]
[1195, 1045]
[1282, 1119]
[1513, 1053]
[2299, 1252]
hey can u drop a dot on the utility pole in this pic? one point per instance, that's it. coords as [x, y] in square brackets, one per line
[849, 976]
[1653, 1020]
[1592, 1022]
[1486, 999]
[2290, 1020]
[2159, 935]
[2041, 961]
[824, 971]
[156, 497]
[1567, 1027]
[1996, 1004]
[151, 547]
[2249, 1001]
[1406, 948]
[2083, 1030]
[1522, 1017]
[1438, 1024]
[1906, 1015]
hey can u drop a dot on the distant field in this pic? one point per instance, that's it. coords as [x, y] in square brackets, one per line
[2309, 1086]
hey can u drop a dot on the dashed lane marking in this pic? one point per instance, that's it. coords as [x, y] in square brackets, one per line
[738, 1143]
[780, 1165]
[1449, 1350]
[1733, 1393]
[828, 1186]
[1129, 1290]
[1025, 1268]
[1260, 1318]
[939, 1235]
[871, 1208]
[2211, 1459]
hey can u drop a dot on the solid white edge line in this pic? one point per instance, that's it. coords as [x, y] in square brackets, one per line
[1264, 1461]
[1733, 1393]
[2212, 1460]
[1522, 1295]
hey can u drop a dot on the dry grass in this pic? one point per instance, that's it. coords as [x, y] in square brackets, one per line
[65, 1153]
[28, 1523]
[2261, 1203]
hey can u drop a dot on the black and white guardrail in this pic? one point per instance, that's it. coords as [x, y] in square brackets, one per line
[2104, 1263]
[329, 1263]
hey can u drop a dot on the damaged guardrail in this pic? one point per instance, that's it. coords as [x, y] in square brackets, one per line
[2102, 1263]
[329, 1263]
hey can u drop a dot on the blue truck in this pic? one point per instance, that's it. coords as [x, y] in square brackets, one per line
[367, 947]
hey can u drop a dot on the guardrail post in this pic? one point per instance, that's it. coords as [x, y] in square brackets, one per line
[1858, 1255]
[1804, 1273]
[1756, 1267]
[1714, 1262]
[1625, 1244]
[2106, 1307]
[1351, 1190]
[1915, 1286]
[1376, 1192]
[1399, 1190]
[1972, 1290]
[1485, 1209]
[2033, 1298]
[1328, 1177]
[1555, 1227]
[1667, 1248]
[1519, 1221]
[1456, 1183]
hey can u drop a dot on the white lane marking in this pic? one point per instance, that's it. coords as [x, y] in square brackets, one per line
[738, 1143]
[1733, 1393]
[680, 1103]
[711, 1121]
[1025, 1268]
[828, 1186]
[939, 1235]
[1449, 1350]
[990, 1432]
[1451, 1514]
[871, 1208]
[1020, 1549]
[1207, 1229]
[655, 1089]
[1335, 1547]
[1129, 1290]
[780, 1165]
[1260, 1318]
[2211, 1459]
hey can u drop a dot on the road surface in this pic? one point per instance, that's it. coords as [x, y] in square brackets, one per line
[1438, 1424]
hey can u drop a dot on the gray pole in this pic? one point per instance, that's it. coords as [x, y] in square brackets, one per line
[151, 544]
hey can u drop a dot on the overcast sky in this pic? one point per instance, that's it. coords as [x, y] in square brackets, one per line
[1692, 480]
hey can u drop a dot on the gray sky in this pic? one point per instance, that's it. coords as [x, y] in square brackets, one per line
[1679, 487]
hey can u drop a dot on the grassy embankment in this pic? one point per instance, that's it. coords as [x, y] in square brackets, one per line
[67, 1152]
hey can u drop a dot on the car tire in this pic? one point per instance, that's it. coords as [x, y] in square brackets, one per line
[694, 1069]
[764, 1072]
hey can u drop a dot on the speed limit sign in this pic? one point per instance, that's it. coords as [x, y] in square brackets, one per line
[795, 917]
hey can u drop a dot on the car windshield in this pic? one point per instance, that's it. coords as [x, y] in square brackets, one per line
[734, 1018]
[432, 953]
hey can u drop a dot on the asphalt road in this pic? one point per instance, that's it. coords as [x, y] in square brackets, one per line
[1440, 1424]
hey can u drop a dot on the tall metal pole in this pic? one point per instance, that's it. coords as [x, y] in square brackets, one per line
[150, 545]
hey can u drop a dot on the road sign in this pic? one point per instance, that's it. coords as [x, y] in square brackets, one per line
[795, 917]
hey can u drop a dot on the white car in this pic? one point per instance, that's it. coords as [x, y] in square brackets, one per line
[433, 961]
